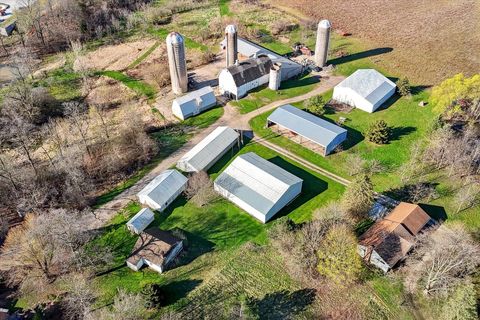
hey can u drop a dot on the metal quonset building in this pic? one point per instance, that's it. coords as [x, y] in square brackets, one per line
[163, 190]
[140, 221]
[194, 103]
[303, 124]
[258, 186]
[365, 89]
[209, 150]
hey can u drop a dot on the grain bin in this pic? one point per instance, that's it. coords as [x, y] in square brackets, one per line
[275, 76]
[323, 42]
[232, 49]
[177, 63]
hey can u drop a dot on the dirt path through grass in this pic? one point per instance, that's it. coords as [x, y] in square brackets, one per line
[230, 118]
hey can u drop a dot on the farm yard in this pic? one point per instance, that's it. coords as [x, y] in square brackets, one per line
[89, 125]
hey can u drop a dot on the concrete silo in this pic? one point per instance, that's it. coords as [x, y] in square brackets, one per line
[232, 49]
[275, 76]
[323, 42]
[177, 63]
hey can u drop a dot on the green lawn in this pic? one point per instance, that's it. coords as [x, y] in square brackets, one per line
[169, 140]
[189, 43]
[410, 123]
[215, 234]
[140, 87]
[263, 95]
[224, 6]
[63, 83]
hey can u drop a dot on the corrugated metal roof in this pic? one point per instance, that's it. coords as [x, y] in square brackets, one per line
[207, 150]
[305, 124]
[164, 186]
[248, 49]
[194, 102]
[142, 219]
[250, 69]
[369, 84]
[256, 181]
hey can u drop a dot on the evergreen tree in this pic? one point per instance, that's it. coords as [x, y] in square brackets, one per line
[403, 87]
[379, 132]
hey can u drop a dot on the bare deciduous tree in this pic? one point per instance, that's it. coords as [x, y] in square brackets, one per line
[441, 259]
[200, 189]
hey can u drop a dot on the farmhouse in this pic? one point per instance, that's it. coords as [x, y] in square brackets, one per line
[236, 80]
[140, 221]
[306, 129]
[194, 103]
[389, 240]
[258, 186]
[209, 150]
[155, 248]
[365, 89]
[162, 190]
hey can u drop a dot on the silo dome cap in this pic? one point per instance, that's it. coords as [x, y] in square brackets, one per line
[325, 24]
[231, 28]
[174, 38]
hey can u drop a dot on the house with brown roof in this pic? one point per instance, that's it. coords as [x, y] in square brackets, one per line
[389, 240]
[155, 248]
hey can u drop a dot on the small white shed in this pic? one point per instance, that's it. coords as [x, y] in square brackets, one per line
[163, 190]
[209, 150]
[258, 186]
[365, 89]
[140, 221]
[194, 103]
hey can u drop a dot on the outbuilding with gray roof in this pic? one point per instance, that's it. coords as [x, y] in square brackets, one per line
[306, 129]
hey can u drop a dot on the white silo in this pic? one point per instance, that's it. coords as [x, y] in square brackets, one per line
[323, 42]
[177, 62]
[275, 76]
[231, 49]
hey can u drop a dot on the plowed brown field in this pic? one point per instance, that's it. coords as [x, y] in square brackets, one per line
[431, 39]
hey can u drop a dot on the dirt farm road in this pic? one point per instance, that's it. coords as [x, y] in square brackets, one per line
[231, 118]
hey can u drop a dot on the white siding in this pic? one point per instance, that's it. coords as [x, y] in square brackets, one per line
[163, 190]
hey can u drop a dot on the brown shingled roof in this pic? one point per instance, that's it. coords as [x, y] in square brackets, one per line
[393, 236]
[153, 244]
[410, 215]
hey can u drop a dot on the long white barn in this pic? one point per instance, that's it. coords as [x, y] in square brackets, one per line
[365, 89]
[209, 150]
[258, 186]
[163, 190]
[194, 103]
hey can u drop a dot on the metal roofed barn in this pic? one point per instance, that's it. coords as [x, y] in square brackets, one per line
[163, 190]
[305, 128]
[365, 89]
[209, 150]
[258, 186]
[194, 103]
[140, 221]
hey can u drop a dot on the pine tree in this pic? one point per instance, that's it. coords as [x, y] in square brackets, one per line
[379, 132]
[403, 87]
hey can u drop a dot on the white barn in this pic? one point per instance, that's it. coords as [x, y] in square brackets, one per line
[194, 103]
[209, 150]
[236, 80]
[365, 89]
[258, 186]
[140, 221]
[313, 129]
[163, 190]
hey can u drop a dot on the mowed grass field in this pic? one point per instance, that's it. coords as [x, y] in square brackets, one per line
[217, 234]
[430, 40]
